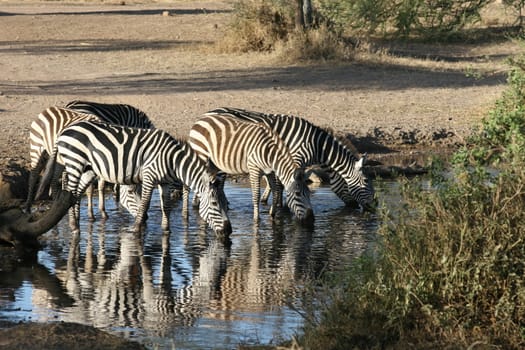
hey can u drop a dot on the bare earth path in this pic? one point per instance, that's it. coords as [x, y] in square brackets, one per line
[53, 52]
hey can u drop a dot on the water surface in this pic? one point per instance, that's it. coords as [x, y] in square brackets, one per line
[187, 289]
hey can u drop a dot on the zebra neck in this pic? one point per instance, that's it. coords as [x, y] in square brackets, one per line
[337, 156]
[189, 168]
[282, 164]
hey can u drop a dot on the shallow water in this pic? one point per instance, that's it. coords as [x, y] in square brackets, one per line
[187, 290]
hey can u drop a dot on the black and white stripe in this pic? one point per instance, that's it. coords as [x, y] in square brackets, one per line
[131, 156]
[114, 113]
[50, 123]
[310, 145]
[119, 114]
[238, 147]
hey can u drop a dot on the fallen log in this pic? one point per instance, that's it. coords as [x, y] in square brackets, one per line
[20, 228]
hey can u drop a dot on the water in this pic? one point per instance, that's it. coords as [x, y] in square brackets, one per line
[187, 290]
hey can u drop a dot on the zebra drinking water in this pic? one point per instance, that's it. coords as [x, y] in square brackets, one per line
[238, 147]
[50, 123]
[309, 145]
[130, 156]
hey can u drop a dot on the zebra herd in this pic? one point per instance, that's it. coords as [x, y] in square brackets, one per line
[117, 143]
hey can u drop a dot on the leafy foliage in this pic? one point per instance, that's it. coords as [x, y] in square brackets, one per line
[421, 17]
[449, 268]
[502, 136]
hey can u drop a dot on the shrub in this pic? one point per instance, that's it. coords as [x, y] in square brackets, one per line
[426, 18]
[268, 25]
[257, 25]
[449, 268]
[502, 134]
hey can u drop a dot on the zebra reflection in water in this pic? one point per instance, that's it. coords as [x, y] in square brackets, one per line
[158, 282]
[124, 292]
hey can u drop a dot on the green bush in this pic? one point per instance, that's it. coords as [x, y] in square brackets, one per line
[502, 134]
[449, 268]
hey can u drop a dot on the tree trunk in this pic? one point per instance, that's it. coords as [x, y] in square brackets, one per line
[299, 15]
[17, 227]
[307, 10]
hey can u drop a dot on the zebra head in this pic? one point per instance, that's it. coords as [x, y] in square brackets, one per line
[361, 189]
[298, 197]
[213, 204]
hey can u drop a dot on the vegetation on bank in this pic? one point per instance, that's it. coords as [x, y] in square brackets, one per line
[449, 267]
[334, 29]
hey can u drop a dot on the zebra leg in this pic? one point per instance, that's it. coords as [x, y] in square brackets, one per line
[278, 192]
[255, 178]
[116, 193]
[147, 189]
[101, 202]
[74, 217]
[85, 181]
[165, 201]
[89, 195]
[196, 200]
[267, 190]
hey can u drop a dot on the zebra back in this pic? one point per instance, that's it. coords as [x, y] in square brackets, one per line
[49, 124]
[120, 114]
[309, 145]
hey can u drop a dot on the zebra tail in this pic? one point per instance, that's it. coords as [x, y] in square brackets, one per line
[48, 178]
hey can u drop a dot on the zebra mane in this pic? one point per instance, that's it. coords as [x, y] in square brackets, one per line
[343, 140]
[181, 139]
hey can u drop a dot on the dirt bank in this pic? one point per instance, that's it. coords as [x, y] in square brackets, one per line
[53, 52]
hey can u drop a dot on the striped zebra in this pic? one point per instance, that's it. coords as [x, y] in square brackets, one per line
[238, 147]
[50, 123]
[130, 156]
[309, 145]
[119, 114]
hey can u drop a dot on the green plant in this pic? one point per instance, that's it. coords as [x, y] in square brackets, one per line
[426, 18]
[501, 136]
[449, 268]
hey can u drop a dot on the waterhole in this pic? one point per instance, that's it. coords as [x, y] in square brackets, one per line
[188, 289]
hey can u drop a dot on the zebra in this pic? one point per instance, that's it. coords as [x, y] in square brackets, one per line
[124, 155]
[115, 113]
[50, 123]
[309, 145]
[238, 147]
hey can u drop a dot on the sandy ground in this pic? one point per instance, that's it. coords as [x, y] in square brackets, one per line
[53, 52]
